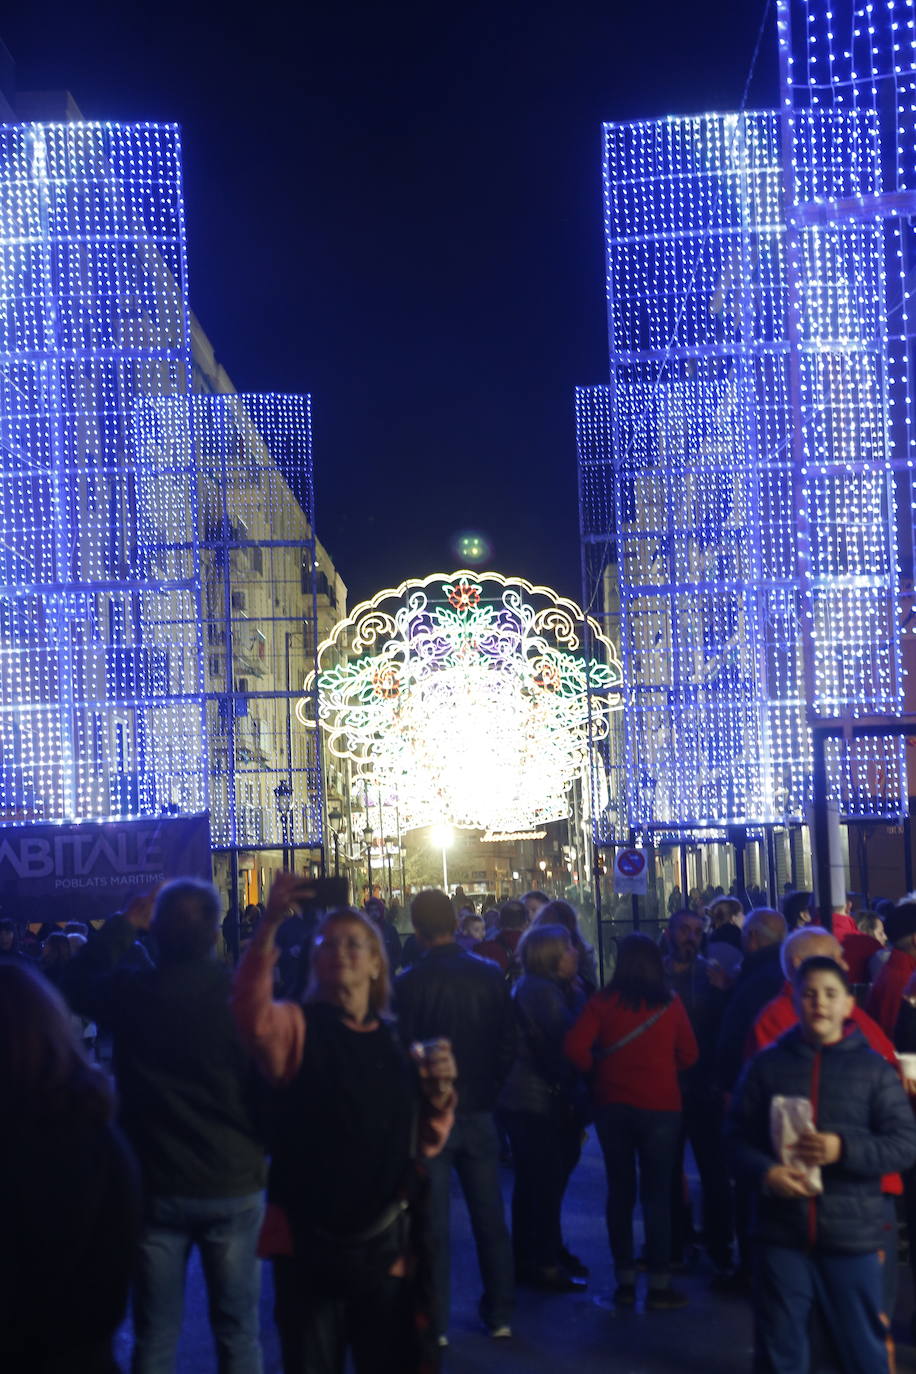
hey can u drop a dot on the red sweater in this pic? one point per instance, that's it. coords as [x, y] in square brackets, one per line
[857, 950]
[887, 990]
[644, 1073]
[779, 1016]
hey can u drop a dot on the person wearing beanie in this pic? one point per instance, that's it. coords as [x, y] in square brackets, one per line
[884, 1000]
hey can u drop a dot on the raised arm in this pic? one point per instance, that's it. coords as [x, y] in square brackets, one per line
[273, 1031]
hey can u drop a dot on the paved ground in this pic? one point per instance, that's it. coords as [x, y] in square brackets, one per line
[581, 1333]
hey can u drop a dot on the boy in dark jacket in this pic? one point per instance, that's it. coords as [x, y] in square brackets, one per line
[821, 1249]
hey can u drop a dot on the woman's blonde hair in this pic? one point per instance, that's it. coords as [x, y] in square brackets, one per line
[542, 947]
[380, 987]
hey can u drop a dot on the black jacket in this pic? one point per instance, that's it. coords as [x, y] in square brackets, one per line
[452, 993]
[70, 1203]
[855, 1094]
[760, 980]
[542, 1079]
[188, 1092]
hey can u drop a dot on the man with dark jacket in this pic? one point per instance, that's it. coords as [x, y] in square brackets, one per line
[186, 1091]
[818, 1240]
[452, 993]
[760, 979]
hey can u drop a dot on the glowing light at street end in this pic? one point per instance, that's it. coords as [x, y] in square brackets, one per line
[466, 696]
[442, 836]
[472, 547]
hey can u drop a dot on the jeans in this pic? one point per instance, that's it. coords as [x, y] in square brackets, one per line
[226, 1232]
[847, 1291]
[473, 1152]
[545, 1150]
[628, 1134]
[316, 1331]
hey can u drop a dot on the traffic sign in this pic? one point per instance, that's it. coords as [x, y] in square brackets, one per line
[630, 872]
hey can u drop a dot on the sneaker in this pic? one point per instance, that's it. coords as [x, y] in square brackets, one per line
[500, 1333]
[625, 1295]
[665, 1299]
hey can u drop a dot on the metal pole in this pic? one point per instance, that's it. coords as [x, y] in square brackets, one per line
[596, 882]
[820, 825]
[444, 871]
[772, 876]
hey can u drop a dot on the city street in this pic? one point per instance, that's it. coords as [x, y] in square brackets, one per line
[710, 1336]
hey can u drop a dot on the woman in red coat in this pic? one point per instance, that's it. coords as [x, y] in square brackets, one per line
[636, 1036]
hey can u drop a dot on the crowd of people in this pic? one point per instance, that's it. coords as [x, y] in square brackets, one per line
[312, 1105]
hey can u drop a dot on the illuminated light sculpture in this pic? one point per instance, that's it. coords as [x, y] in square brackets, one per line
[841, 61]
[686, 464]
[101, 711]
[258, 558]
[465, 697]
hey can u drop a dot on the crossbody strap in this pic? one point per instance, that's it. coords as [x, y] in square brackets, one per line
[607, 1050]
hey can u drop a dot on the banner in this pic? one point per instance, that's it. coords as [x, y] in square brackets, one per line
[90, 870]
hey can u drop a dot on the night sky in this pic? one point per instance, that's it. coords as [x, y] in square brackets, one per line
[398, 209]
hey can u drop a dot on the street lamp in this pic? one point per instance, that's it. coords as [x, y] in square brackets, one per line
[283, 792]
[367, 836]
[443, 836]
[334, 819]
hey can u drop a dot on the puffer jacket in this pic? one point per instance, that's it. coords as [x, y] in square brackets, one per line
[856, 1095]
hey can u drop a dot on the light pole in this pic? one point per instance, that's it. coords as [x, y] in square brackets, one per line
[443, 836]
[283, 792]
[367, 836]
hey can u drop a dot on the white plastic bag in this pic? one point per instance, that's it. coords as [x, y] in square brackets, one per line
[790, 1117]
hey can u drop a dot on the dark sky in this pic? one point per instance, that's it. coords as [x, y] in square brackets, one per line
[397, 208]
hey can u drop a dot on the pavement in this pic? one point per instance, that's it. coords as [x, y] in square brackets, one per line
[579, 1332]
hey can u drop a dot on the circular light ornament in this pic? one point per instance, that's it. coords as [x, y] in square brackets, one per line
[465, 696]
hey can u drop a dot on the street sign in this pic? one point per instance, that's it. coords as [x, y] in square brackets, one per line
[630, 872]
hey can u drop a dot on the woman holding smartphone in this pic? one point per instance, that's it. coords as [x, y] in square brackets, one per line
[354, 1117]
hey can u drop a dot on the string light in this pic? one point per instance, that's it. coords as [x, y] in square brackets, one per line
[259, 578]
[100, 653]
[465, 697]
[695, 455]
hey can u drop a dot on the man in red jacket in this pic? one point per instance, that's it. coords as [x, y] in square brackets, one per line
[780, 1015]
[887, 990]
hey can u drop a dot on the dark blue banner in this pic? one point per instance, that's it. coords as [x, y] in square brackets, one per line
[87, 871]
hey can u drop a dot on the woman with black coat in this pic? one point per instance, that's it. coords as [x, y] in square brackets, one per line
[541, 1106]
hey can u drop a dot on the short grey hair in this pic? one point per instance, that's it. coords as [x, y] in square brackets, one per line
[791, 954]
[767, 924]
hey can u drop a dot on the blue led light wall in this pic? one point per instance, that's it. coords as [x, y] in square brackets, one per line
[752, 582]
[101, 711]
[258, 561]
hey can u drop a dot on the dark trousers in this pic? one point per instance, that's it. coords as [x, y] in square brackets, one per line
[846, 1290]
[702, 1126]
[316, 1331]
[472, 1151]
[545, 1150]
[631, 1135]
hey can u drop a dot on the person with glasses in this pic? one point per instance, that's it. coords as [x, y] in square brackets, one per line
[354, 1118]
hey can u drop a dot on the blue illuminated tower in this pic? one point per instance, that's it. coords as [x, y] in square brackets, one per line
[755, 556]
[101, 711]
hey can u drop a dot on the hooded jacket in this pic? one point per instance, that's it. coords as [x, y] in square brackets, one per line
[854, 1094]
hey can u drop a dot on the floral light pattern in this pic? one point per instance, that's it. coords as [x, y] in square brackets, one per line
[473, 707]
